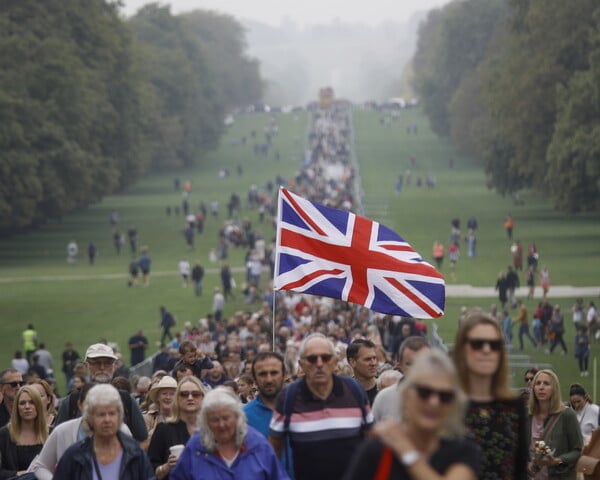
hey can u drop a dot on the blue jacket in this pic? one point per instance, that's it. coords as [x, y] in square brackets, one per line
[259, 416]
[256, 461]
[77, 463]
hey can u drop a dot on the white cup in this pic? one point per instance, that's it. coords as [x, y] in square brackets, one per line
[176, 450]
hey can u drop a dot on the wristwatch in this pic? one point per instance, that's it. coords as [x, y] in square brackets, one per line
[409, 458]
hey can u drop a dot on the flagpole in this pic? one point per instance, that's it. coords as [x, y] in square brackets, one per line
[273, 322]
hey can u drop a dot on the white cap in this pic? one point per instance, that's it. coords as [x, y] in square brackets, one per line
[99, 350]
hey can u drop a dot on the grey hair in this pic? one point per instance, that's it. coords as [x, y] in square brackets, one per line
[312, 336]
[431, 362]
[101, 395]
[392, 375]
[221, 397]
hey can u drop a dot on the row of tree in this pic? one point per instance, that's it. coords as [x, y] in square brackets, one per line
[90, 101]
[516, 83]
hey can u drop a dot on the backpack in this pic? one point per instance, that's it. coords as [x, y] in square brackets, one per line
[125, 400]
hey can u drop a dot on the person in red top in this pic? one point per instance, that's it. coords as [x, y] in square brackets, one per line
[508, 226]
[438, 254]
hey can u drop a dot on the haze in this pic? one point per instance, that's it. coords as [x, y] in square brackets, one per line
[360, 48]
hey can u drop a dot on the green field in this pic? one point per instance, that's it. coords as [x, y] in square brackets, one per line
[82, 303]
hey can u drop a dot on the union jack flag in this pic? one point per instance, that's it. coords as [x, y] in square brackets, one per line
[333, 253]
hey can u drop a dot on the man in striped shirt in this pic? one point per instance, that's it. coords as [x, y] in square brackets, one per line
[325, 415]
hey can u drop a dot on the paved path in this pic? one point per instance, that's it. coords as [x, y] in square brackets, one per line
[467, 291]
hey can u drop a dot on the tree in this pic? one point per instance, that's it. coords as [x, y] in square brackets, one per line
[223, 45]
[573, 174]
[547, 44]
[451, 45]
[184, 108]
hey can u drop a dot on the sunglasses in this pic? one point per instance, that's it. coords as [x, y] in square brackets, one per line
[186, 394]
[528, 379]
[14, 384]
[425, 393]
[325, 357]
[478, 344]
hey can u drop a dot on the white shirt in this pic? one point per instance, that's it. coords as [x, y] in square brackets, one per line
[184, 267]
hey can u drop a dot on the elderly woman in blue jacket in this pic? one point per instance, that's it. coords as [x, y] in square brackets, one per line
[225, 447]
[107, 454]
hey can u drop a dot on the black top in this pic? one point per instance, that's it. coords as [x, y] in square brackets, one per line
[365, 462]
[166, 435]
[13, 457]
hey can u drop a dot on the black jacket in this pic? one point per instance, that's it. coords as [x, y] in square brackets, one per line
[77, 461]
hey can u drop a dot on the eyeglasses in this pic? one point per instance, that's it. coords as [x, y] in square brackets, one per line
[186, 394]
[325, 357]
[425, 393]
[478, 344]
[14, 384]
[101, 363]
[528, 379]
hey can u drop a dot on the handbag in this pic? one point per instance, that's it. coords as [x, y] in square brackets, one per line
[589, 462]
[589, 466]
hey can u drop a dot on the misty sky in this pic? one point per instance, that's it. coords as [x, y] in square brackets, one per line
[302, 11]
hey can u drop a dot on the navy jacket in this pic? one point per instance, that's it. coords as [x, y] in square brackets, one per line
[77, 461]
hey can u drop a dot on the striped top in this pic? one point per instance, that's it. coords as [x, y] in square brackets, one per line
[323, 433]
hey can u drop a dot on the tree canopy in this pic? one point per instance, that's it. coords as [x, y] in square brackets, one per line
[90, 101]
[523, 98]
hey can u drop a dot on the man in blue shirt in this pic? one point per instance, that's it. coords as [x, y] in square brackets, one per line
[268, 371]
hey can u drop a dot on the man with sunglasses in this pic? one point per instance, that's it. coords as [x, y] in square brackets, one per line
[10, 382]
[338, 412]
[101, 362]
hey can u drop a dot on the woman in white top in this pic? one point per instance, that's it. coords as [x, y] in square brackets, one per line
[586, 410]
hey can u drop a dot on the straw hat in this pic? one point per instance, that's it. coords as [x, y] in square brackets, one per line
[165, 382]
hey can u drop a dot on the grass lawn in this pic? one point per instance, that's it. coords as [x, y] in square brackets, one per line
[82, 303]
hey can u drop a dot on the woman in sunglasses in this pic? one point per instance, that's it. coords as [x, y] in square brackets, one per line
[178, 429]
[555, 425]
[495, 415]
[429, 442]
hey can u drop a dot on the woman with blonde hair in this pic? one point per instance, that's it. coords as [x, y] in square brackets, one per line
[555, 425]
[23, 437]
[429, 441]
[47, 396]
[495, 415]
[178, 429]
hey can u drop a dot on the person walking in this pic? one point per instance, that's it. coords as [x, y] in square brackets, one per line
[508, 225]
[197, 278]
[320, 452]
[167, 321]
[523, 321]
[495, 415]
[144, 262]
[107, 454]
[582, 349]
[30, 342]
[551, 422]
[225, 446]
[429, 441]
[557, 328]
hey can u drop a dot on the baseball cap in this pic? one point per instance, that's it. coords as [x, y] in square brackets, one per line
[99, 350]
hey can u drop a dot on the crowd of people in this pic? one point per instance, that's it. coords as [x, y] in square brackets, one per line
[304, 387]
